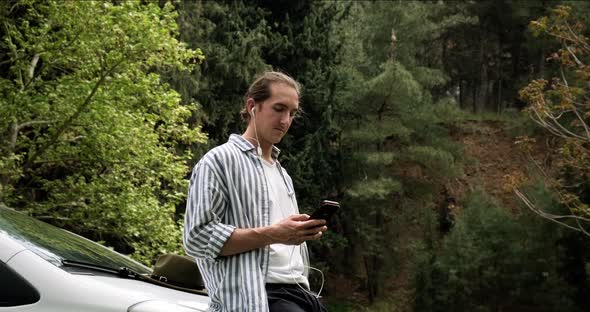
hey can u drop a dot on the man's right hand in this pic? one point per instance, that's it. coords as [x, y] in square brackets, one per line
[295, 230]
[292, 230]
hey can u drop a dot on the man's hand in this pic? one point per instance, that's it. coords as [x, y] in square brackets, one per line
[295, 230]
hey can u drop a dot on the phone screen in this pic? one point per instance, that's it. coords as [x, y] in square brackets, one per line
[327, 209]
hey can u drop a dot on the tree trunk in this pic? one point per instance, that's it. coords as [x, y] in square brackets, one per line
[370, 279]
[515, 57]
[500, 102]
[542, 63]
[474, 96]
[489, 101]
[461, 94]
[482, 97]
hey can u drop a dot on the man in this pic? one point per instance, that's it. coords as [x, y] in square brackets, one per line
[242, 222]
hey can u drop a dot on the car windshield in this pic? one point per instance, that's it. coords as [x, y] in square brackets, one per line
[55, 245]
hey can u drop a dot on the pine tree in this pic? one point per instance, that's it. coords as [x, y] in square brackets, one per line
[394, 148]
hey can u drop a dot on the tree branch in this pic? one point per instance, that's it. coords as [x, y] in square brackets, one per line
[71, 119]
[49, 161]
[52, 218]
[577, 38]
[548, 216]
[33, 122]
[16, 129]
[15, 52]
[575, 110]
[32, 66]
[578, 62]
[541, 122]
[583, 124]
[566, 132]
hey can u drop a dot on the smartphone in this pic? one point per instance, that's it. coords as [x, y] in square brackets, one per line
[326, 210]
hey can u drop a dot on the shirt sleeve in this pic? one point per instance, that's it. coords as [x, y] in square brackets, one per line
[204, 235]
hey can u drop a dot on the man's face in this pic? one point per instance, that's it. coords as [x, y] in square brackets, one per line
[274, 116]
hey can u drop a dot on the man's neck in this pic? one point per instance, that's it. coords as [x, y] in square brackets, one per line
[250, 135]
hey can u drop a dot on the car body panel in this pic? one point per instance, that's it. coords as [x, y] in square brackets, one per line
[8, 248]
[68, 289]
[64, 291]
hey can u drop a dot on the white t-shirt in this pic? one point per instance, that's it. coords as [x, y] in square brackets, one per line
[285, 263]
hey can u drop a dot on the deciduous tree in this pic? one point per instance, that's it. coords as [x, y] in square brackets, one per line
[89, 131]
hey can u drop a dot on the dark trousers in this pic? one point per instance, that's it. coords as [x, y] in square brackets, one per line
[291, 298]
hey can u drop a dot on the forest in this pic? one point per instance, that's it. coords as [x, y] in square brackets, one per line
[454, 134]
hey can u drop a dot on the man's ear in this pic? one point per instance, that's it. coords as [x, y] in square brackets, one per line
[251, 104]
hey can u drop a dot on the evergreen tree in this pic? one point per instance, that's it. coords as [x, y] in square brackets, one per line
[241, 39]
[494, 261]
[394, 146]
[233, 36]
[306, 45]
[489, 60]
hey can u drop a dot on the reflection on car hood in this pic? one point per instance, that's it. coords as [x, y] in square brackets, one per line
[55, 245]
[135, 288]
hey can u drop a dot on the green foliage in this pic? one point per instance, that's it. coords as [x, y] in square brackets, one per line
[95, 139]
[448, 112]
[561, 108]
[233, 36]
[374, 133]
[90, 132]
[395, 147]
[519, 125]
[395, 80]
[438, 162]
[242, 38]
[492, 260]
[306, 43]
[378, 189]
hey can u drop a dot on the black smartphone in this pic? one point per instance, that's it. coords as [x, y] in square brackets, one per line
[326, 210]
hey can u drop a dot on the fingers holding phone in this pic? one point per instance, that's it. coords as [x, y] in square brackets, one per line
[297, 229]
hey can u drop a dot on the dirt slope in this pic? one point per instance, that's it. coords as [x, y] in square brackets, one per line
[492, 156]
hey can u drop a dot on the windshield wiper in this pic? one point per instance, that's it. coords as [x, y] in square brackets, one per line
[124, 272]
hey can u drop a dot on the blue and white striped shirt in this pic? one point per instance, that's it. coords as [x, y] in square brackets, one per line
[228, 190]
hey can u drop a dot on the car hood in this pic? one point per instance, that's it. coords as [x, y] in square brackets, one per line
[64, 291]
[138, 289]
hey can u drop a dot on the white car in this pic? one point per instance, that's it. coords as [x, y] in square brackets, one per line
[44, 268]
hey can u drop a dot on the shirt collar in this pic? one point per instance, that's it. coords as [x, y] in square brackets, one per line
[245, 145]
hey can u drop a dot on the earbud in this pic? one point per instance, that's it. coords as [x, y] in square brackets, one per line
[258, 148]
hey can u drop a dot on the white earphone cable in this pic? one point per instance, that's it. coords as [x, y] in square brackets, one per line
[258, 148]
[291, 271]
[259, 153]
[318, 295]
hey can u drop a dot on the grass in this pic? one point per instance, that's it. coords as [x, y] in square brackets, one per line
[515, 123]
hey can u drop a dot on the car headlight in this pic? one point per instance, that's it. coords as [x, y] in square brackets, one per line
[163, 306]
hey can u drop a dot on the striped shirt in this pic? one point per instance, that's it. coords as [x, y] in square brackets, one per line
[228, 190]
